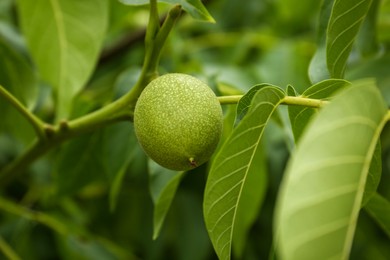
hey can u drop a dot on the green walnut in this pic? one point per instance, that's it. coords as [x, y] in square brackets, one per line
[178, 121]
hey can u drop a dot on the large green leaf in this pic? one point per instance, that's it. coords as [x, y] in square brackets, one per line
[163, 185]
[379, 209]
[300, 115]
[344, 24]
[232, 167]
[64, 38]
[322, 191]
[194, 7]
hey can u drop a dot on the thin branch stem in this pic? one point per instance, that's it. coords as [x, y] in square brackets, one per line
[288, 100]
[302, 101]
[225, 100]
[7, 250]
[36, 123]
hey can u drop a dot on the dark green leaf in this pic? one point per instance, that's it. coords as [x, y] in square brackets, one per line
[379, 209]
[344, 24]
[163, 185]
[64, 38]
[318, 68]
[322, 190]
[194, 7]
[367, 40]
[374, 175]
[18, 77]
[79, 163]
[120, 148]
[230, 171]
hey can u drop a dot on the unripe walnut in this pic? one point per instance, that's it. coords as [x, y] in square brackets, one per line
[178, 121]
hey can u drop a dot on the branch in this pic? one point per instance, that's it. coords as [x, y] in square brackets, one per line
[36, 123]
[288, 100]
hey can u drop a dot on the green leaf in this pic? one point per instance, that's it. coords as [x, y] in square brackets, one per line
[120, 148]
[79, 163]
[18, 77]
[163, 185]
[238, 159]
[367, 41]
[318, 68]
[378, 208]
[252, 197]
[322, 190]
[64, 38]
[245, 102]
[300, 116]
[344, 24]
[194, 7]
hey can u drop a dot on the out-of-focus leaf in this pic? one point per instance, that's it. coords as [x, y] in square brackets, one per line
[367, 39]
[286, 63]
[64, 38]
[245, 102]
[18, 77]
[120, 147]
[379, 209]
[374, 175]
[322, 190]
[318, 69]
[373, 68]
[163, 185]
[79, 163]
[344, 24]
[194, 7]
[229, 174]
[300, 115]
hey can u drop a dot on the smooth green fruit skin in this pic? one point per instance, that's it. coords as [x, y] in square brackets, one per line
[178, 121]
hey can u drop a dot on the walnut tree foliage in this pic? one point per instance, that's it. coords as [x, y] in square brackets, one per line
[302, 168]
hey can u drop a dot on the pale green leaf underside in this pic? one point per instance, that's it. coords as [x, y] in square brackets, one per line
[163, 185]
[344, 24]
[321, 194]
[64, 37]
[194, 7]
[231, 168]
